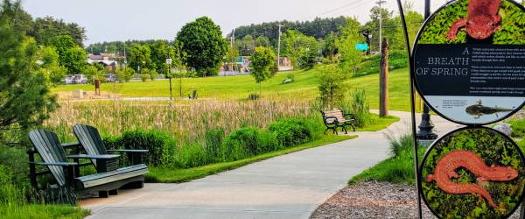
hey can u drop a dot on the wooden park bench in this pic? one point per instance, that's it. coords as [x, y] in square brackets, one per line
[338, 119]
[66, 172]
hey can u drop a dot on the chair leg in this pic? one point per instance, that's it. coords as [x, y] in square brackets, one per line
[103, 194]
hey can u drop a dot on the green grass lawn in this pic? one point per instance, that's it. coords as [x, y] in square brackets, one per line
[377, 123]
[41, 212]
[167, 175]
[239, 87]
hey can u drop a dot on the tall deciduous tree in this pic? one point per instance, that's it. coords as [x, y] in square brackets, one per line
[331, 87]
[349, 37]
[160, 51]
[204, 46]
[263, 64]
[139, 57]
[301, 49]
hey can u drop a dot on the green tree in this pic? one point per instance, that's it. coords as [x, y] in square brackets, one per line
[139, 57]
[263, 64]
[331, 86]
[414, 21]
[74, 60]
[125, 74]
[160, 51]
[301, 49]
[262, 41]
[47, 28]
[25, 98]
[50, 66]
[390, 26]
[348, 39]
[329, 47]
[204, 46]
[71, 56]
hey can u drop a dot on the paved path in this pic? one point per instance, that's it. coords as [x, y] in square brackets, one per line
[289, 186]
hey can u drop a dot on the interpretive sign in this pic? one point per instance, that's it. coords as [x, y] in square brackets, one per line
[473, 173]
[469, 60]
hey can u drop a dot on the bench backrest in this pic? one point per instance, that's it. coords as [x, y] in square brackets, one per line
[49, 148]
[335, 113]
[90, 139]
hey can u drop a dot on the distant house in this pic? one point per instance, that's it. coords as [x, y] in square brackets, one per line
[285, 64]
[108, 60]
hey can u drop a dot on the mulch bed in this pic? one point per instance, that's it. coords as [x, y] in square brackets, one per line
[373, 200]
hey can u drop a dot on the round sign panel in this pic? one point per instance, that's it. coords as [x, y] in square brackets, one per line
[469, 60]
[473, 173]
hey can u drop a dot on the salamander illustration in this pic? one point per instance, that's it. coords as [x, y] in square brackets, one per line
[446, 170]
[482, 20]
[477, 110]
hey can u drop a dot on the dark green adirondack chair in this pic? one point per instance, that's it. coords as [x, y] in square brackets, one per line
[90, 139]
[55, 158]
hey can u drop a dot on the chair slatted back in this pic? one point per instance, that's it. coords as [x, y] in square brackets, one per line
[337, 114]
[49, 148]
[90, 139]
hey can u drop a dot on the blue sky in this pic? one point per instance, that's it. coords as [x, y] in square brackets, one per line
[108, 20]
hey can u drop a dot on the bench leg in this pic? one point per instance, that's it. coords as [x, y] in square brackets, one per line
[134, 185]
[344, 129]
[103, 194]
[113, 192]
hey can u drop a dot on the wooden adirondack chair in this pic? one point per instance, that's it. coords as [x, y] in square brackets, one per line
[65, 173]
[90, 139]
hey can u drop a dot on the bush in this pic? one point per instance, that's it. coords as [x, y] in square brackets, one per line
[15, 160]
[291, 132]
[246, 142]
[358, 106]
[214, 139]
[191, 155]
[161, 146]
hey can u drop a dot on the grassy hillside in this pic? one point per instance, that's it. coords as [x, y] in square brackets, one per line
[239, 87]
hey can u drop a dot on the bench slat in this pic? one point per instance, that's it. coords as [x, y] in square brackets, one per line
[113, 176]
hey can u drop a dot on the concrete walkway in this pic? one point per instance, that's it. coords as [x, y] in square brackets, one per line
[289, 186]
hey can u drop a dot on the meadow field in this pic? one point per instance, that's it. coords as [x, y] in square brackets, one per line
[305, 87]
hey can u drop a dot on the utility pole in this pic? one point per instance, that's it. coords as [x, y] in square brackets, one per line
[380, 3]
[279, 47]
[383, 81]
[426, 126]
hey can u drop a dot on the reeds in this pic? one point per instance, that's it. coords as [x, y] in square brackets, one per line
[187, 121]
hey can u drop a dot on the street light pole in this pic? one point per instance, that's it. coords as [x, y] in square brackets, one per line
[426, 126]
[380, 3]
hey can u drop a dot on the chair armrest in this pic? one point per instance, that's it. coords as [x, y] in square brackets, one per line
[352, 116]
[63, 164]
[129, 151]
[331, 117]
[96, 157]
[67, 145]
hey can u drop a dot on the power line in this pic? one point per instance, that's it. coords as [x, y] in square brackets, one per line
[336, 9]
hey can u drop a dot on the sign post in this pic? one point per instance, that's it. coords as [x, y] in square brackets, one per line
[467, 64]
